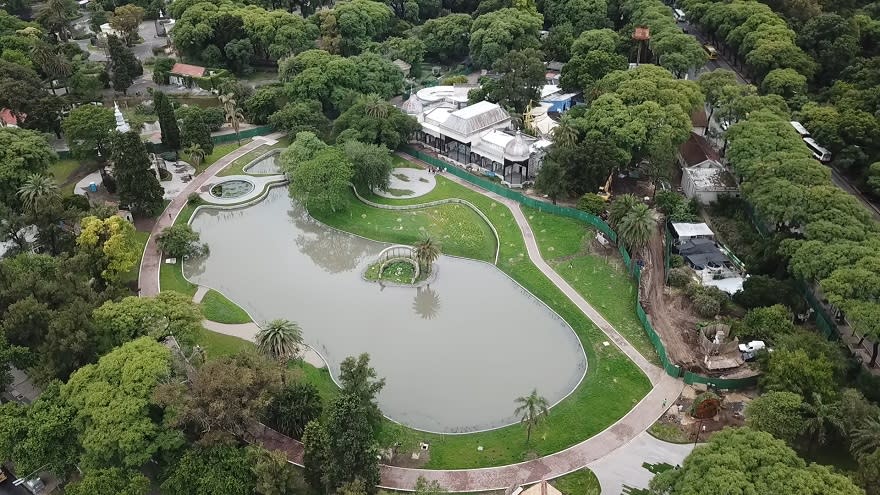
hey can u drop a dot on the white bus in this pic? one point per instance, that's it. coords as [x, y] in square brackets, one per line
[679, 15]
[800, 129]
[819, 153]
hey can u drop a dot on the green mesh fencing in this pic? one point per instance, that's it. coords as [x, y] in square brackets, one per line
[633, 269]
[247, 133]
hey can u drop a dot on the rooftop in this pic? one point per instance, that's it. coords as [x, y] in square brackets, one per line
[476, 117]
[187, 70]
[711, 177]
[692, 229]
[696, 150]
[699, 118]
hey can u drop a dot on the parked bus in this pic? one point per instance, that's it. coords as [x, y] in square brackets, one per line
[819, 153]
[800, 129]
[679, 15]
[711, 52]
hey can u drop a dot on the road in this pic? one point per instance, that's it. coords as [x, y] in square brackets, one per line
[837, 178]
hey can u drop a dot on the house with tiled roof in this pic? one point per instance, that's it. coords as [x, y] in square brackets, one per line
[184, 74]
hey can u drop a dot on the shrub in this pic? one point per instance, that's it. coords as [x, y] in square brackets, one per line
[706, 305]
[180, 241]
[194, 199]
[591, 203]
[676, 260]
[450, 80]
[679, 277]
[668, 201]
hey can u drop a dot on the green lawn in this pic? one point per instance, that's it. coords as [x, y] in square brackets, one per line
[613, 384]
[603, 282]
[62, 169]
[132, 275]
[216, 307]
[399, 162]
[218, 344]
[237, 166]
[582, 482]
[459, 230]
[669, 433]
[220, 150]
[171, 276]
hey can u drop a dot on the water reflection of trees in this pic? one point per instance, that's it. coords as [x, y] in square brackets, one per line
[426, 303]
[331, 250]
[194, 266]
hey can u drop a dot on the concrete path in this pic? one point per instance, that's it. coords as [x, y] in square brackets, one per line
[200, 294]
[624, 465]
[148, 278]
[248, 331]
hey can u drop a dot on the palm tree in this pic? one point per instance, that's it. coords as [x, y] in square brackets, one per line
[375, 106]
[280, 340]
[51, 63]
[53, 15]
[866, 437]
[195, 153]
[234, 115]
[36, 186]
[637, 226]
[565, 135]
[427, 252]
[621, 205]
[820, 419]
[531, 409]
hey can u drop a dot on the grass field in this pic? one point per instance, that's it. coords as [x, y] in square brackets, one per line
[171, 276]
[216, 307]
[237, 166]
[219, 345]
[132, 275]
[220, 150]
[582, 482]
[603, 281]
[458, 229]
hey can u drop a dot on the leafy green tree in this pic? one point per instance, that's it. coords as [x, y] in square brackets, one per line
[123, 64]
[796, 371]
[22, 93]
[358, 124]
[22, 153]
[303, 148]
[294, 407]
[532, 409]
[360, 380]
[273, 475]
[239, 53]
[766, 323]
[180, 241]
[582, 14]
[637, 227]
[112, 400]
[583, 71]
[866, 437]
[821, 419]
[522, 76]
[447, 37]
[425, 487]
[316, 451]
[868, 475]
[427, 251]
[748, 461]
[761, 290]
[497, 33]
[167, 314]
[167, 120]
[321, 183]
[110, 481]
[829, 39]
[787, 83]
[591, 203]
[112, 245]
[714, 84]
[87, 128]
[777, 413]
[55, 16]
[557, 44]
[126, 19]
[280, 340]
[222, 470]
[351, 448]
[372, 165]
[137, 184]
[196, 131]
[299, 117]
[410, 50]
[162, 69]
[265, 101]
[551, 180]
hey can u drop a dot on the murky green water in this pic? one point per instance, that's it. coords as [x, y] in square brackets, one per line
[268, 165]
[455, 355]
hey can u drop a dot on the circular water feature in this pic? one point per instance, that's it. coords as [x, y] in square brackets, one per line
[235, 188]
[455, 353]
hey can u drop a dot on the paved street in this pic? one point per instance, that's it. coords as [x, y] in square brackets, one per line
[624, 465]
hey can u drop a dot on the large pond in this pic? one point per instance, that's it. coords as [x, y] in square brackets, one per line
[455, 354]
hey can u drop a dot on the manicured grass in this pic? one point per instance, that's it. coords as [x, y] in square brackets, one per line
[613, 384]
[219, 345]
[62, 169]
[220, 150]
[171, 276]
[603, 282]
[458, 229]
[399, 162]
[669, 433]
[132, 275]
[582, 482]
[216, 307]
[237, 166]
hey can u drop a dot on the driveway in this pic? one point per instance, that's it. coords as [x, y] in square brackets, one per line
[623, 467]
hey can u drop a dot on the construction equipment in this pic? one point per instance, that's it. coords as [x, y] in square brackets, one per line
[605, 191]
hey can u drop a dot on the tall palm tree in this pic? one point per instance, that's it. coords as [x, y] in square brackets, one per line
[565, 135]
[51, 63]
[866, 437]
[375, 106]
[427, 252]
[36, 186]
[196, 154]
[280, 340]
[820, 419]
[54, 14]
[637, 226]
[621, 205]
[531, 409]
[234, 115]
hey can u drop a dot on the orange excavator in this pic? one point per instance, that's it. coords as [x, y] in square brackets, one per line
[605, 191]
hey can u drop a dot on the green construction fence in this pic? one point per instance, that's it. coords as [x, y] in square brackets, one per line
[247, 133]
[633, 268]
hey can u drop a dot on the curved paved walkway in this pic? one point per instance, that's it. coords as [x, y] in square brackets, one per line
[148, 277]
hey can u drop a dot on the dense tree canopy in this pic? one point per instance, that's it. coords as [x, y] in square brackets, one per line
[22, 153]
[373, 120]
[446, 38]
[88, 129]
[496, 33]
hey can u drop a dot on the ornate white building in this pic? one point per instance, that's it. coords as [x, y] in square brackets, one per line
[478, 136]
